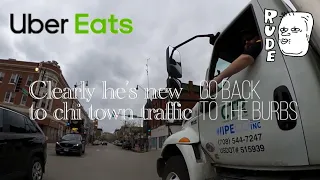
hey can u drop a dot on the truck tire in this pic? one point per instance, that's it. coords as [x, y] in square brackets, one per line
[176, 166]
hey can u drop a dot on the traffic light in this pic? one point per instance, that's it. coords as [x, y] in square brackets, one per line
[114, 115]
[149, 131]
[18, 84]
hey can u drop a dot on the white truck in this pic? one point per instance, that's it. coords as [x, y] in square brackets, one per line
[261, 143]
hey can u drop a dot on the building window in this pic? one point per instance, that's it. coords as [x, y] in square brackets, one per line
[43, 103]
[13, 78]
[41, 93]
[38, 104]
[29, 80]
[23, 100]
[49, 104]
[54, 83]
[9, 97]
[161, 141]
[59, 114]
[1, 76]
[153, 142]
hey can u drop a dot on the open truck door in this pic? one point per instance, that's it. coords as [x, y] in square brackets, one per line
[260, 134]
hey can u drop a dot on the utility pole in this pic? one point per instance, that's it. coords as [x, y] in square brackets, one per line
[81, 83]
[42, 73]
[147, 69]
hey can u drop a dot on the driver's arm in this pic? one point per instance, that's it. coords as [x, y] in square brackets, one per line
[244, 60]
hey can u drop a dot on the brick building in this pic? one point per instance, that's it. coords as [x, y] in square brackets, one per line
[159, 128]
[11, 70]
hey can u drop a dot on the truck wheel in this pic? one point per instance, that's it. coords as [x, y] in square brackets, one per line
[176, 169]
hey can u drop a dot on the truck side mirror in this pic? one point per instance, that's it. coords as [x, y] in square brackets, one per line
[174, 84]
[213, 38]
[174, 68]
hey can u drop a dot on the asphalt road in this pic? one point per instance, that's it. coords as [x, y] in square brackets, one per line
[102, 163]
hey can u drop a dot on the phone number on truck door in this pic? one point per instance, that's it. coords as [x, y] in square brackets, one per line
[242, 149]
[240, 139]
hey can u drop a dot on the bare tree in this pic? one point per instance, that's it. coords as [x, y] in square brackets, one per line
[130, 124]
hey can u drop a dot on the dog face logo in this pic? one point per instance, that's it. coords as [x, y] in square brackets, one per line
[294, 33]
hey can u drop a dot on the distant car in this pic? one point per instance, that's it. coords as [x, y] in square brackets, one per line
[104, 143]
[96, 142]
[71, 143]
[116, 143]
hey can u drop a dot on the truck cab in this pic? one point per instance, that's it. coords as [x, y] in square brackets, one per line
[262, 122]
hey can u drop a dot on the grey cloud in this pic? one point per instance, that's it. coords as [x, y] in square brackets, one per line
[6, 50]
[31, 49]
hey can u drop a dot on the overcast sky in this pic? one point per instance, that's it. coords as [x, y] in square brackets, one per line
[119, 58]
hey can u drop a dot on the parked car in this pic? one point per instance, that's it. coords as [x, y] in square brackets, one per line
[23, 146]
[127, 145]
[96, 142]
[119, 143]
[104, 143]
[71, 143]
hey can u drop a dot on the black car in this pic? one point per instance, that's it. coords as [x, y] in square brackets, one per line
[23, 146]
[104, 143]
[126, 145]
[71, 143]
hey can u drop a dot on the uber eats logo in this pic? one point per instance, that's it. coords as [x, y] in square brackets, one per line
[83, 24]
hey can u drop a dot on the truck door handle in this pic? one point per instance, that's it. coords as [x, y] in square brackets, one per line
[286, 118]
[4, 143]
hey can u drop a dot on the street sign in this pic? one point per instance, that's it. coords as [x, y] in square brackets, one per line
[24, 91]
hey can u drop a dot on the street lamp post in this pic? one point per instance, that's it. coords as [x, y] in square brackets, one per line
[41, 77]
[148, 98]
[147, 69]
[146, 91]
[75, 86]
[37, 90]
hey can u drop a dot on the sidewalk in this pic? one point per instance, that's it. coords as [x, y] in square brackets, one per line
[137, 149]
[51, 145]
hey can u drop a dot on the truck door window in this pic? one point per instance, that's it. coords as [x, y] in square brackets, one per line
[230, 45]
[221, 66]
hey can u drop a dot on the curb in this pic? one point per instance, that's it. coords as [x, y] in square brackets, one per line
[137, 151]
